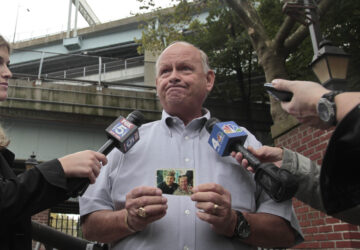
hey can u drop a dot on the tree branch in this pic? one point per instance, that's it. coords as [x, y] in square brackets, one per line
[283, 31]
[250, 20]
[302, 31]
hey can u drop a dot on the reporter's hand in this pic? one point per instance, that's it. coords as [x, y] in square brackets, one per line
[306, 96]
[264, 154]
[215, 204]
[83, 164]
[149, 199]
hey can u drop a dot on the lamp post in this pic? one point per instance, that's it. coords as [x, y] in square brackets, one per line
[16, 21]
[329, 63]
[31, 162]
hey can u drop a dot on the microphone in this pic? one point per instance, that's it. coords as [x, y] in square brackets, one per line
[123, 134]
[226, 137]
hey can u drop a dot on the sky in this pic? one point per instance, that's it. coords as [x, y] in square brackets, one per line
[36, 18]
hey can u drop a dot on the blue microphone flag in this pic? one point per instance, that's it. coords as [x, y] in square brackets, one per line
[224, 134]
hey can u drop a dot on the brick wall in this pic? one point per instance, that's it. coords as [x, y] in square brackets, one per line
[320, 230]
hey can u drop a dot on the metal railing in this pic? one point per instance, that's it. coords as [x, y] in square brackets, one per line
[53, 239]
[48, 65]
[91, 70]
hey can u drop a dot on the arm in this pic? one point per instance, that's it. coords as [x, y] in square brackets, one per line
[307, 172]
[109, 226]
[306, 97]
[105, 226]
[267, 230]
[345, 102]
[42, 186]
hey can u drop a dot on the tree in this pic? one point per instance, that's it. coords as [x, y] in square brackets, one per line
[281, 44]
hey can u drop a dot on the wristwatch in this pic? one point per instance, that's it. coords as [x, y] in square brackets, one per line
[242, 227]
[326, 108]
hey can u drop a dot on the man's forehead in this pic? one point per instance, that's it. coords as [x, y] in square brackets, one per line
[184, 51]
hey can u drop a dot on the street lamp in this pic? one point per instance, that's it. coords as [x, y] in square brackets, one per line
[31, 162]
[16, 20]
[329, 63]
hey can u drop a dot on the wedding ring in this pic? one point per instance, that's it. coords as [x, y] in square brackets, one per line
[215, 208]
[141, 212]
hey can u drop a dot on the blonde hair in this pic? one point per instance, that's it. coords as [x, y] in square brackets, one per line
[4, 141]
[4, 43]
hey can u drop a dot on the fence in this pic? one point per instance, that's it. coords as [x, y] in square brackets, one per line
[76, 67]
[66, 223]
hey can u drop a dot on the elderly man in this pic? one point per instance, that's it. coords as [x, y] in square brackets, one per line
[184, 188]
[227, 210]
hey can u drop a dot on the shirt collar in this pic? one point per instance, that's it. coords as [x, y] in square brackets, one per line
[198, 123]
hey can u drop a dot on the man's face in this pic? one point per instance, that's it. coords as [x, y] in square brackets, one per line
[169, 180]
[183, 183]
[181, 82]
[5, 73]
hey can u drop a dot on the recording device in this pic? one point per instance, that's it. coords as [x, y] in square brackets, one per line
[226, 137]
[123, 134]
[279, 95]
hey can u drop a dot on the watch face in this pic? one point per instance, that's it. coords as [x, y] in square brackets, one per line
[242, 229]
[324, 113]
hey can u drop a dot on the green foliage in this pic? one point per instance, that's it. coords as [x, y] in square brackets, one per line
[271, 15]
[227, 44]
[220, 36]
[342, 26]
[163, 28]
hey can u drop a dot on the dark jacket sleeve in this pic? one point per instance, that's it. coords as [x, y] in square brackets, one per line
[340, 185]
[32, 191]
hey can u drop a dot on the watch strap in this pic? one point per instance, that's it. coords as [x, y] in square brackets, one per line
[331, 95]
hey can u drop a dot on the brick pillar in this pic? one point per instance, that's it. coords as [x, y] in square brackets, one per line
[320, 230]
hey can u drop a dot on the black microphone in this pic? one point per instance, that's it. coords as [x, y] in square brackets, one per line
[123, 134]
[226, 137]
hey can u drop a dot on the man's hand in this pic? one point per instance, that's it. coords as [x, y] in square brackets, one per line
[144, 205]
[83, 164]
[264, 154]
[214, 203]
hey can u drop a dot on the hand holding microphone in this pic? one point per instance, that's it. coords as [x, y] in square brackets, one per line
[123, 134]
[226, 137]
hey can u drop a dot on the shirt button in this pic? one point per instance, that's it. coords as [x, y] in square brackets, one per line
[187, 159]
[186, 137]
[186, 248]
[187, 211]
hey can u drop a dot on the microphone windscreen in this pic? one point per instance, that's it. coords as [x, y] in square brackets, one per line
[210, 124]
[136, 118]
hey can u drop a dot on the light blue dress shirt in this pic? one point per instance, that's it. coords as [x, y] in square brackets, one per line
[166, 144]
